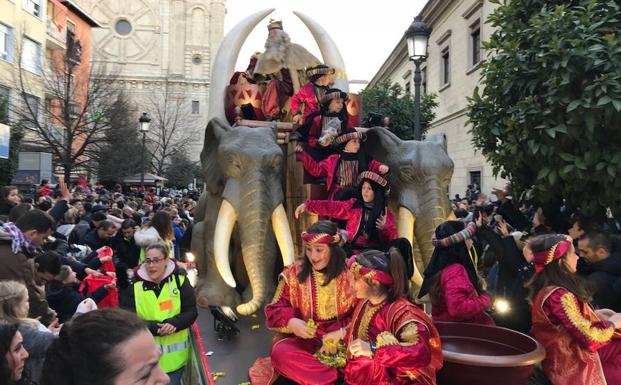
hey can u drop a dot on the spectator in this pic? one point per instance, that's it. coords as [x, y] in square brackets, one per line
[37, 338]
[44, 188]
[159, 229]
[100, 236]
[600, 266]
[107, 346]
[13, 355]
[18, 246]
[69, 222]
[126, 252]
[9, 198]
[164, 298]
[82, 228]
[581, 225]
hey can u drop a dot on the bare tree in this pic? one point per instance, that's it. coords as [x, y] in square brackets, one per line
[172, 129]
[70, 121]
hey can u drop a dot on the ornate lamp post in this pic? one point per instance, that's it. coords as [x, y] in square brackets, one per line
[417, 36]
[144, 121]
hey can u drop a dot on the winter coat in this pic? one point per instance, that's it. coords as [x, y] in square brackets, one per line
[36, 343]
[65, 298]
[603, 279]
[126, 256]
[20, 267]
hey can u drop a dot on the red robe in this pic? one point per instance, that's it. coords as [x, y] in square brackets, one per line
[460, 301]
[329, 168]
[572, 335]
[329, 306]
[344, 210]
[308, 97]
[408, 349]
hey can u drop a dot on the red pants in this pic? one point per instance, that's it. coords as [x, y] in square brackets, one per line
[610, 356]
[293, 358]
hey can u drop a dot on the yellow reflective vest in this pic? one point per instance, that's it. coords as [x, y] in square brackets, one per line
[174, 347]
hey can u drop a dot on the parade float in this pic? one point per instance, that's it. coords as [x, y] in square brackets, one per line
[245, 230]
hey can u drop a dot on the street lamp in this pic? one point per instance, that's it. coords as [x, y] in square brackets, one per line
[417, 37]
[144, 121]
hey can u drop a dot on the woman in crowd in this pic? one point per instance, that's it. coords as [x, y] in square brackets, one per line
[370, 223]
[583, 346]
[36, 337]
[389, 340]
[104, 347]
[313, 298]
[451, 278]
[158, 230]
[163, 296]
[9, 198]
[13, 355]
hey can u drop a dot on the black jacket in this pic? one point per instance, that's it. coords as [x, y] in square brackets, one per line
[603, 280]
[66, 298]
[93, 241]
[188, 313]
[126, 256]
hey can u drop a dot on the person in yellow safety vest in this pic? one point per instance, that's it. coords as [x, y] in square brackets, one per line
[163, 296]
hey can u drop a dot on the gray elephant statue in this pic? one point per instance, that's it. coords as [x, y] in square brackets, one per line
[241, 220]
[419, 178]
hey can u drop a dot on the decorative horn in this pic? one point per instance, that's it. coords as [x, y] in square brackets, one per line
[329, 51]
[405, 228]
[225, 60]
[222, 239]
[282, 231]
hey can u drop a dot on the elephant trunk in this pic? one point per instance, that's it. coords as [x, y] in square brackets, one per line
[433, 209]
[256, 241]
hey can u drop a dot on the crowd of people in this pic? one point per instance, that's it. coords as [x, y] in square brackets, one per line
[70, 262]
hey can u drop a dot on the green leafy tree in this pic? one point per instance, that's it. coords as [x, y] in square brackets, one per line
[9, 166]
[548, 115]
[118, 155]
[390, 100]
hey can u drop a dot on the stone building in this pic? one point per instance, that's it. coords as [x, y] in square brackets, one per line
[161, 47]
[451, 71]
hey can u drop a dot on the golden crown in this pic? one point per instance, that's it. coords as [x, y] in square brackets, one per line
[274, 24]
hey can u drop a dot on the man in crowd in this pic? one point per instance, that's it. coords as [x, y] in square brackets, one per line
[600, 266]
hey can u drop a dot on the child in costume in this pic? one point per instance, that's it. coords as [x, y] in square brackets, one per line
[389, 340]
[306, 100]
[342, 169]
[370, 223]
[583, 345]
[451, 277]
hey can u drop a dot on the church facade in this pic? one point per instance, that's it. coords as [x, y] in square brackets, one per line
[161, 50]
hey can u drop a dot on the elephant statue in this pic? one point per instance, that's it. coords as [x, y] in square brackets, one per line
[419, 178]
[241, 217]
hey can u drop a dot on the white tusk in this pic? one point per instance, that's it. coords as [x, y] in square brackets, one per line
[282, 231]
[225, 60]
[222, 239]
[405, 229]
[329, 51]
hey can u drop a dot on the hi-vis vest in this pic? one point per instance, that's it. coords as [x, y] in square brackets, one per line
[174, 347]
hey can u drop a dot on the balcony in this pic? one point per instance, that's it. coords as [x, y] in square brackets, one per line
[56, 39]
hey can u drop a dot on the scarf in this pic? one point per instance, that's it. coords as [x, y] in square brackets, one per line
[19, 242]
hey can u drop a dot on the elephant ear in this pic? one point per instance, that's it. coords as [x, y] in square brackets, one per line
[381, 144]
[213, 176]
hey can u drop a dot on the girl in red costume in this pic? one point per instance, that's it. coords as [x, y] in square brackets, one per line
[370, 224]
[582, 346]
[390, 340]
[317, 289]
[341, 170]
[451, 278]
[306, 100]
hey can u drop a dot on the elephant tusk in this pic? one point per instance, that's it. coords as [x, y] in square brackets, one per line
[329, 51]
[405, 228]
[222, 239]
[280, 225]
[225, 59]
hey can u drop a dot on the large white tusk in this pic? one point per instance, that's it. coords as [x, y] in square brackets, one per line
[282, 231]
[405, 228]
[225, 60]
[329, 51]
[222, 239]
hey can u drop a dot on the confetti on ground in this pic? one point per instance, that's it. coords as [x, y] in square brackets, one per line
[255, 327]
[209, 353]
[217, 375]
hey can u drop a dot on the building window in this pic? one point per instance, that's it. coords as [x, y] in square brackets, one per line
[5, 95]
[446, 66]
[123, 27]
[195, 107]
[475, 177]
[31, 55]
[6, 43]
[31, 110]
[32, 6]
[408, 87]
[475, 46]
